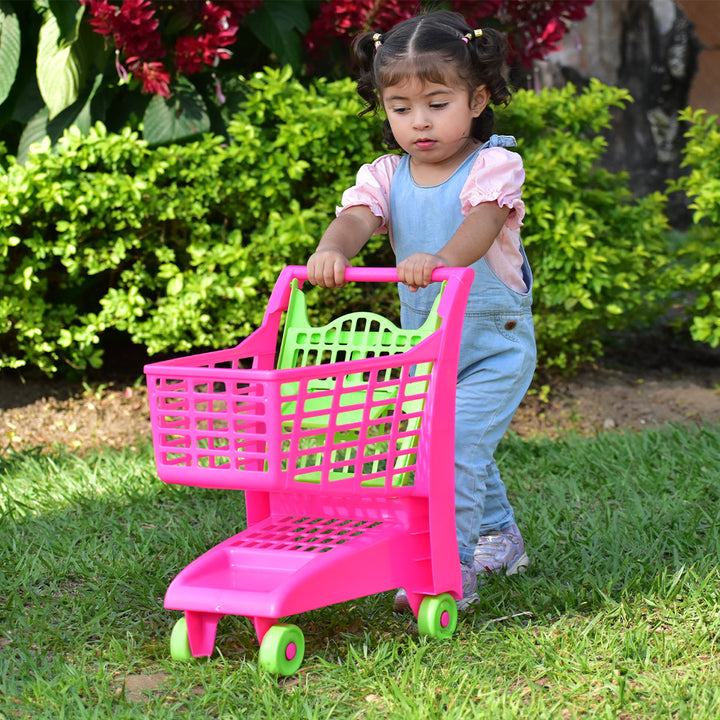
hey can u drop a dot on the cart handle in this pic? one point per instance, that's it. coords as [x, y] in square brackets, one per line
[280, 297]
[384, 274]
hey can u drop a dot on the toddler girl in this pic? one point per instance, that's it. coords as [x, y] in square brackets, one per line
[453, 198]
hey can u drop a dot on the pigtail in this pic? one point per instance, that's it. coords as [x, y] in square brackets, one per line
[487, 56]
[488, 53]
[364, 48]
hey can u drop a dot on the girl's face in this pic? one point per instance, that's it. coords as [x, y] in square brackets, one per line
[432, 122]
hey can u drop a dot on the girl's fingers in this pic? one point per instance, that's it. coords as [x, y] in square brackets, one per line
[416, 271]
[327, 269]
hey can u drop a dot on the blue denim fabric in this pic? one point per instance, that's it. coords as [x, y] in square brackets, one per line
[497, 352]
[497, 362]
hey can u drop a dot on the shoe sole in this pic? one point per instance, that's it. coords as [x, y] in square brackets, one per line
[519, 566]
[401, 604]
[465, 603]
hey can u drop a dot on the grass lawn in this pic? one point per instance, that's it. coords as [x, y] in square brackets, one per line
[618, 616]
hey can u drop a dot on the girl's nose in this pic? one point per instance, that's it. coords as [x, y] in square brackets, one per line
[420, 120]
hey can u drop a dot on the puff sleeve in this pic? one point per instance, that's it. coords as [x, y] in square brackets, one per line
[497, 175]
[372, 189]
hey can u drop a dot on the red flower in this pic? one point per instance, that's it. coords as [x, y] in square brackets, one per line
[189, 53]
[202, 32]
[476, 12]
[136, 32]
[347, 18]
[192, 53]
[391, 12]
[153, 75]
[133, 26]
[216, 22]
[576, 11]
[102, 16]
[220, 31]
[553, 33]
[534, 27]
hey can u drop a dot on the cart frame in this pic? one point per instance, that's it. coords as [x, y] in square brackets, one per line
[344, 497]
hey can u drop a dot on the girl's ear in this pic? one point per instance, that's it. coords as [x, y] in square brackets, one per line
[479, 100]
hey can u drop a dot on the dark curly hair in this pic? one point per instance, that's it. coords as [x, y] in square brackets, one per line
[430, 47]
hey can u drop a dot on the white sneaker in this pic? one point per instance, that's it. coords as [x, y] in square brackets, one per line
[502, 550]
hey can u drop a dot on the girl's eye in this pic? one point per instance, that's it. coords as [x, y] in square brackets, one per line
[399, 109]
[438, 105]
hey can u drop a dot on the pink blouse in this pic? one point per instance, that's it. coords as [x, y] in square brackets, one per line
[497, 175]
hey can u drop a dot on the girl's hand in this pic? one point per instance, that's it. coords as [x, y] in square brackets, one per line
[416, 271]
[326, 268]
[344, 238]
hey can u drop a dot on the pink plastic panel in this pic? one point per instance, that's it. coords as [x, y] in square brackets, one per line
[246, 429]
[227, 420]
[293, 563]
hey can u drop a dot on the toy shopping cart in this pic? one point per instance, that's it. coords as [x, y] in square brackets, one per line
[342, 437]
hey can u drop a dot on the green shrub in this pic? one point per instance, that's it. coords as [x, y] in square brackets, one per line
[177, 247]
[698, 269]
[595, 250]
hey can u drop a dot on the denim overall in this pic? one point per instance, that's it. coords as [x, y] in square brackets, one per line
[497, 351]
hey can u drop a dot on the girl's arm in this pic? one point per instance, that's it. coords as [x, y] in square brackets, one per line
[344, 238]
[469, 243]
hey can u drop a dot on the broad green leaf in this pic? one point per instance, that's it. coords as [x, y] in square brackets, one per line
[85, 118]
[278, 26]
[34, 132]
[79, 114]
[60, 70]
[68, 14]
[181, 116]
[9, 48]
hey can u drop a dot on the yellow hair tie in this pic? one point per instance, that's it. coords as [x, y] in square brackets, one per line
[469, 36]
[377, 39]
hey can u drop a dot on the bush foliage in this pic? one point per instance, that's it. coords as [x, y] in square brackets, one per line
[177, 247]
[699, 270]
[596, 251]
[174, 246]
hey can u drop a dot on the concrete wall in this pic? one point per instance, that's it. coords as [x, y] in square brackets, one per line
[652, 48]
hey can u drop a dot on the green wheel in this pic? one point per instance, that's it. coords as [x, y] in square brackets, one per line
[180, 642]
[282, 649]
[438, 616]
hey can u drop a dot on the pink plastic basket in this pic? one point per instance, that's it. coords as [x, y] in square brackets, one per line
[347, 465]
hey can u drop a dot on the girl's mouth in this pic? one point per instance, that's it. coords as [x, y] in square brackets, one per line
[424, 143]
